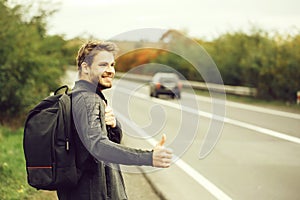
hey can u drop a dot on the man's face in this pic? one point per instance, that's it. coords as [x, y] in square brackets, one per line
[102, 70]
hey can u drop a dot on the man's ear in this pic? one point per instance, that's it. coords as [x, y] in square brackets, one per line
[85, 68]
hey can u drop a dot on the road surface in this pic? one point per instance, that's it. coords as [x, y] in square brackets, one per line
[256, 155]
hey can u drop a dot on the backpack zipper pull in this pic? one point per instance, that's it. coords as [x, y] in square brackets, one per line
[67, 144]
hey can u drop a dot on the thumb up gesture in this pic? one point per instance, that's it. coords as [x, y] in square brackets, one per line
[162, 157]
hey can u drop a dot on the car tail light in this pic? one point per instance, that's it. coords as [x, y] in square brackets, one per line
[179, 85]
[157, 85]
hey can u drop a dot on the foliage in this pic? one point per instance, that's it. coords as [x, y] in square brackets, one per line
[282, 78]
[136, 58]
[178, 63]
[31, 62]
[240, 57]
[188, 57]
[270, 64]
[255, 59]
[70, 49]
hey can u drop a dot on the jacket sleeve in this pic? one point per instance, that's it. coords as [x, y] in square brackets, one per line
[92, 131]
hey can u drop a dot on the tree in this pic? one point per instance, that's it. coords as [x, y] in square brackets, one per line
[281, 79]
[270, 64]
[31, 62]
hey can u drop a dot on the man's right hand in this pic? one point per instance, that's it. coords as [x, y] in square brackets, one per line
[162, 157]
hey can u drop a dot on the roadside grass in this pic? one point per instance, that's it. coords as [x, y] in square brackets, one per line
[12, 169]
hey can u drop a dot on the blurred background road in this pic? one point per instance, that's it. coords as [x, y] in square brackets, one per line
[256, 157]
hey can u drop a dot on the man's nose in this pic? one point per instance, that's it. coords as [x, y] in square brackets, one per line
[110, 69]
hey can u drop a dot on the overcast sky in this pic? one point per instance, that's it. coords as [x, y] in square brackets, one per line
[104, 19]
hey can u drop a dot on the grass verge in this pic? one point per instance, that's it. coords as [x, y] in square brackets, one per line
[12, 169]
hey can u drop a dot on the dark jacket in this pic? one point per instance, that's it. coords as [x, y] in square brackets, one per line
[98, 149]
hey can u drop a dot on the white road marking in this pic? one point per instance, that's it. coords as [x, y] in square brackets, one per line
[209, 186]
[249, 107]
[238, 105]
[216, 117]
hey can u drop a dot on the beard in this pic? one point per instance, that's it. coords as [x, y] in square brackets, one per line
[103, 81]
[104, 86]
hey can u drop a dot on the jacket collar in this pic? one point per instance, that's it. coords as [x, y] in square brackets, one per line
[87, 86]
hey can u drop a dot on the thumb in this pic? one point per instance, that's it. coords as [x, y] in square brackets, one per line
[163, 140]
[107, 108]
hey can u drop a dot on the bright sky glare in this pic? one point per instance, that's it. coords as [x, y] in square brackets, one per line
[208, 19]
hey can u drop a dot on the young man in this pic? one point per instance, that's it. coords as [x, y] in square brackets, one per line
[98, 149]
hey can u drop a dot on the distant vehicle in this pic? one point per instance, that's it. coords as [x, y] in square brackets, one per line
[167, 84]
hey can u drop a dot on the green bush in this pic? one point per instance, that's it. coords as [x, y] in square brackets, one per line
[31, 62]
[270, 64]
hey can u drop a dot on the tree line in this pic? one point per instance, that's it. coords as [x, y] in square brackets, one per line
[271, 64]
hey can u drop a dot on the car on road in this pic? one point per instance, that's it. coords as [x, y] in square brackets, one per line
[165, 84]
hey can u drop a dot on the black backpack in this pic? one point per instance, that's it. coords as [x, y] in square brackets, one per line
[49, 145]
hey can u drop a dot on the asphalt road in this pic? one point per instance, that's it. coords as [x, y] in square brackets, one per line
[255, 152]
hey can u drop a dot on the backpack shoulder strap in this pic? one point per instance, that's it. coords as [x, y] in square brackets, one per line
[58, 89]
[65, 106]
